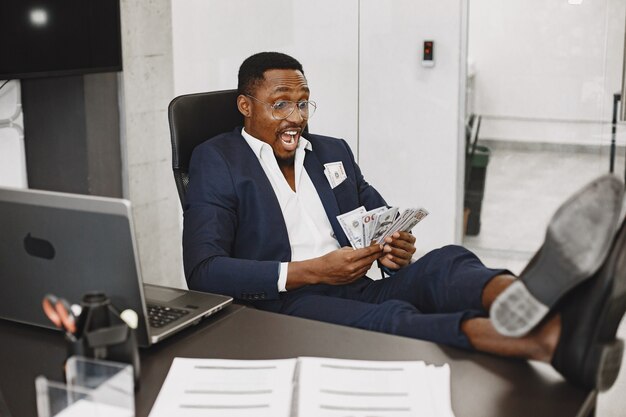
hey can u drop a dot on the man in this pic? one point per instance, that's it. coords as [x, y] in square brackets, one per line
[260, 225]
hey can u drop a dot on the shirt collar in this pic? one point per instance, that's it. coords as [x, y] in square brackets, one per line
[257, 144]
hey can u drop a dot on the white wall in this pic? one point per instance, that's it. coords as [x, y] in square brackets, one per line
[213, 37]
[409, 114]
[546, 71]
[12, 156]
[361, 58]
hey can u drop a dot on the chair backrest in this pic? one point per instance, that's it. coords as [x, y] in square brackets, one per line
[195, 118]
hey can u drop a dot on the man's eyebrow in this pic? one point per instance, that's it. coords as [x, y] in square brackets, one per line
[285, 89]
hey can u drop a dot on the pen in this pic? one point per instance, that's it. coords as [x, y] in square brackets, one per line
[60, 314]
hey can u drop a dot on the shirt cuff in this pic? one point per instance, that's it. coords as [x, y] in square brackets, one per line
[282, 276]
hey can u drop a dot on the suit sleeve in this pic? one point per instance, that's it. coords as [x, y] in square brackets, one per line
[210, 227]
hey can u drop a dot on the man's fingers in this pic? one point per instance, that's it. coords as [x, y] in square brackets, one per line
[399, 245]
[400, 248]
[400, 260]
[362, 271]
[354, 263]
[408, 237]
[370, 259]
[398, 257]
[391, 264]
[402, 235]
[364, 264]
[399, 252]
[367, 252]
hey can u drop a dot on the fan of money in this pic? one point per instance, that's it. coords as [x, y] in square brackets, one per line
[364, 227]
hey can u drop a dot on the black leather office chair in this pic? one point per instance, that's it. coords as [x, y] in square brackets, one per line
[193, 119]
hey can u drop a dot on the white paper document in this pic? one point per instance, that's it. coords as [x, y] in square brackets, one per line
[339, 387]
[226, 388]
[304, 387]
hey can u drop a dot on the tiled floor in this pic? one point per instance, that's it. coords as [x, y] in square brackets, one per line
[524, 186]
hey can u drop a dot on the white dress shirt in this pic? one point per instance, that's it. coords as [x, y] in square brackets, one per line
[309, 230]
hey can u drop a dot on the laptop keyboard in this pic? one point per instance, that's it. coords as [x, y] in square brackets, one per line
[160, 316]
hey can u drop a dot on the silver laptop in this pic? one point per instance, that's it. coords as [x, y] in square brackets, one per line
[69, 245]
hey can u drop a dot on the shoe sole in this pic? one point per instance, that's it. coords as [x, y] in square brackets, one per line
[588, 353]
[577, 241]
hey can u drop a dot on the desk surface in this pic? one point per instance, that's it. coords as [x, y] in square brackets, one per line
[482, 385]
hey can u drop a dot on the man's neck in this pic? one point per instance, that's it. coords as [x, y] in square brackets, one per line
[287, 166]
[289, 172]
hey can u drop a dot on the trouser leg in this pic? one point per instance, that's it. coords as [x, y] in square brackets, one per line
[392, 316]
[446, 280]
[427, 300]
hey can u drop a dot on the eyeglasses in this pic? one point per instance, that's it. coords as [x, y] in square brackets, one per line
[282, 109]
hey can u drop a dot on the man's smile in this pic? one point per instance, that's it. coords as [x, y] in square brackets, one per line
[289, 138]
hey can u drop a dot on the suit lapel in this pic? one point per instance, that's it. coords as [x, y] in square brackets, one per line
[268, 200]
[316, 172]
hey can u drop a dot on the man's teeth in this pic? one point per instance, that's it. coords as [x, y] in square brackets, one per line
[291, 133]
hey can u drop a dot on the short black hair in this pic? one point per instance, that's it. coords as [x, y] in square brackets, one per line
[252, 69]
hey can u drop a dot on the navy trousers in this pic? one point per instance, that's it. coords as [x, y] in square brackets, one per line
[426, 300]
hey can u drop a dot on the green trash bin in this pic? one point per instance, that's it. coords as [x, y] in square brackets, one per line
[476, 163]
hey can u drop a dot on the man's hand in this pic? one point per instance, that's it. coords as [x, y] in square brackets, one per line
[339, 267]
[398, 250]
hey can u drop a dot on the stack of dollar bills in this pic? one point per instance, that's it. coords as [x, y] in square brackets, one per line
[364, 227]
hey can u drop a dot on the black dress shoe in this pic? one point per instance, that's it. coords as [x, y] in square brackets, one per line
[588, 354]
[577, 242]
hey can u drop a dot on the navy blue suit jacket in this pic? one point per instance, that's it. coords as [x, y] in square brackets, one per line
[235, 235]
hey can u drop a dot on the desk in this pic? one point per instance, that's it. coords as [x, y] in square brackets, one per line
[482, 385]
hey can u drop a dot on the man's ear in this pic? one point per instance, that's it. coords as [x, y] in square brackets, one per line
[243, 104]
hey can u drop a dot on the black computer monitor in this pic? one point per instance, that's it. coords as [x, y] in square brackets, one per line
[43, 38]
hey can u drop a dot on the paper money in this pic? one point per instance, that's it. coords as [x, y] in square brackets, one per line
[335, 173]
[405, 223]
[352, 226]
[383, 222]
[364, 227]
[369, 220]
[397, 224]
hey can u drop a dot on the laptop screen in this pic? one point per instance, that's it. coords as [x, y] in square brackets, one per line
[67, 245]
